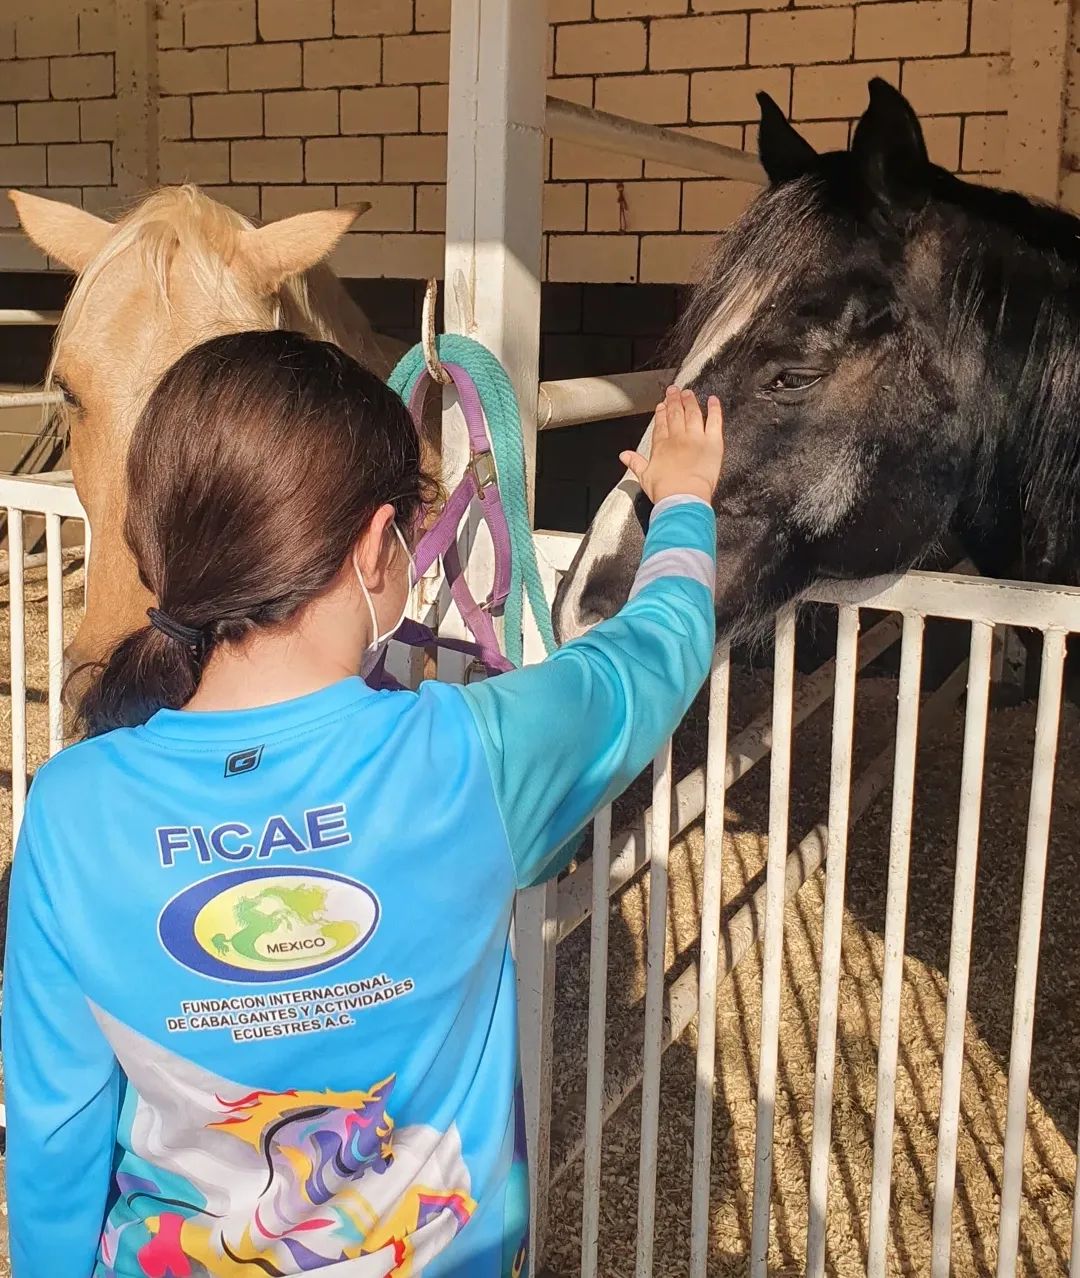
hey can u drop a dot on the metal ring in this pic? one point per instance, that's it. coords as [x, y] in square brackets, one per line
[434, 365]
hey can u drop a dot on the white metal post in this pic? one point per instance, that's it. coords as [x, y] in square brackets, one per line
[892, 980]
[55, 592]
[652, 1055]
[709, 961]
[17, 648]
[967, 852]
[832, 930]
[1047, 722]
[773, 946]
[495, 150]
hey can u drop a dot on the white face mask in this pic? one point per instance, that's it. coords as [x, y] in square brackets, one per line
[374, 649]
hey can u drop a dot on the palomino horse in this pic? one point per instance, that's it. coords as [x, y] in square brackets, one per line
[898, 356]
[176, 270]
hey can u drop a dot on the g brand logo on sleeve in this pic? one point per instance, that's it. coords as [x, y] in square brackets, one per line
[267, 924]
[243, 761]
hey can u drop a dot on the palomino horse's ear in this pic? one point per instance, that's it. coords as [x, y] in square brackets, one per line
[295, 244]
[70, 235]
[889, 148]
[784, 153]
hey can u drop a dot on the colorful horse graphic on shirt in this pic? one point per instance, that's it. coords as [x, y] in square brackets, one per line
[321, 1151]
[314, 1178]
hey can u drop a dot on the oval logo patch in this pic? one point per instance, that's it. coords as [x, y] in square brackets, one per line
[268, 924]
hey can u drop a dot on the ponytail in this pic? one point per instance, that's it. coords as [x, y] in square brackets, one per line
[146, 672]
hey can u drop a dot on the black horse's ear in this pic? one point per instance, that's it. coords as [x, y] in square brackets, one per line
[784, 153]
[889, 148]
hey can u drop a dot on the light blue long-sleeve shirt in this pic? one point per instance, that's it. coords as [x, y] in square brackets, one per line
[259, 1014]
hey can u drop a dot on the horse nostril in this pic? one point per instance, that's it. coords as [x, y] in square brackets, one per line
[593, 611]
[597, 605]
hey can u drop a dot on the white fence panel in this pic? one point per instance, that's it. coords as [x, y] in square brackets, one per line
[54, 502]
[672, 1004]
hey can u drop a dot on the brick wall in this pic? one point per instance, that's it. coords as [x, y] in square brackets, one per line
[283, 105]
[57, 107]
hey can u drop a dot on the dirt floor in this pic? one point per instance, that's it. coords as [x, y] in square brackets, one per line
[1055, 1093]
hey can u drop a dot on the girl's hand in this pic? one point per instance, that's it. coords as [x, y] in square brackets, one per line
[686, 453]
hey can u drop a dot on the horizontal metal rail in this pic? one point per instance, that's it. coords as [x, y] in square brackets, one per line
[30, 399]
[39, 559]
[607, 132]
[959, 597]
[578, 400]
[41, 495]
[29, 318]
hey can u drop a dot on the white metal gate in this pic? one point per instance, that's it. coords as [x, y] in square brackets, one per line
[673, 1003]
[671, 1006]
[53, 498]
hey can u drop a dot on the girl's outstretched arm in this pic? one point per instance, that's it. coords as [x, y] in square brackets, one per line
[564, 737]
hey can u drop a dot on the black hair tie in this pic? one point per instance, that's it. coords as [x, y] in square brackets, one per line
[189, 636]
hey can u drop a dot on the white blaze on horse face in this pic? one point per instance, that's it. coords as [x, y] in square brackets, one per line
[744, 301]
[759, 259]
[612, 530]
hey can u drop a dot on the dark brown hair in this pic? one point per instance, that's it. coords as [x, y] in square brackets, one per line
[258, 461]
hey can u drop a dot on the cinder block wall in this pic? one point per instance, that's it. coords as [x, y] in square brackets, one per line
[282, 105]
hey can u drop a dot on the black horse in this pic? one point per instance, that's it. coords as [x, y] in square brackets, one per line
[897, 352]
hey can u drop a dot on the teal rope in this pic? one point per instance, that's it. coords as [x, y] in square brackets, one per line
[504, 426]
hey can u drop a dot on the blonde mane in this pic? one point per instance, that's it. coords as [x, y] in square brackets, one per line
[182, 218]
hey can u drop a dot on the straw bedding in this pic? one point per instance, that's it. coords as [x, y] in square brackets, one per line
[1055, 1092]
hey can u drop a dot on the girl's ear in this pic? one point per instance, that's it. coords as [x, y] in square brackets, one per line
[372, 548]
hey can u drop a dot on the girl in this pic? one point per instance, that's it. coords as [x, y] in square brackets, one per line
[260, 1007]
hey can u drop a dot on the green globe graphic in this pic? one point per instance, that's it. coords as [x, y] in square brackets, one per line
[269, 922]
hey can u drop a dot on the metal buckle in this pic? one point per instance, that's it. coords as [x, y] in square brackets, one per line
[482, 467]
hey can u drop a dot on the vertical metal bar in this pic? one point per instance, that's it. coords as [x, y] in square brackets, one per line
[594, 1079]
[654, 1010]
[494, 239]
[535, 940]
[907, 722]
[847, 640]
[495, 150]
[17, 623]
[772, 959]
[980, 669]
[1047, 719]
[708, 962]
[55, 592]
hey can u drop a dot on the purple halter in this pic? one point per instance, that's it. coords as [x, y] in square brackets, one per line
[479, 483]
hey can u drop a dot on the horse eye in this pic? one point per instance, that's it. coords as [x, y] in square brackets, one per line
[71, 400]
[794, 379]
